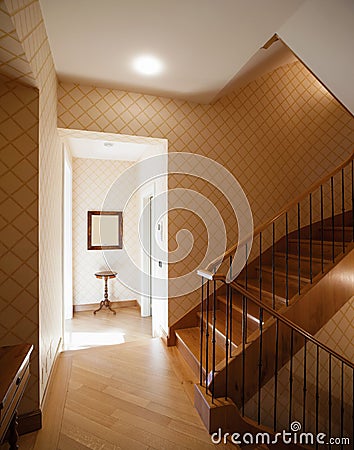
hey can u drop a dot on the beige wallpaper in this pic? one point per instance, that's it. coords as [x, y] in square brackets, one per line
[337, 334]
[34, 53]
[19, 320]
[277, 135]
[92, 179]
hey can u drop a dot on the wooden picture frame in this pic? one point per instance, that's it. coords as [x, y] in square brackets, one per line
[104, 230]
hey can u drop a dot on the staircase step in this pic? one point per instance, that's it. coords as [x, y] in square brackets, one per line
[252, 309]
[220, 328]
[337, 231]
[316, 248]
[188, 343]
[281, 273]
[280, 290]
[303, 258]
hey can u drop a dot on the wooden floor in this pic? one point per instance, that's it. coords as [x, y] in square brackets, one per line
[134, 395]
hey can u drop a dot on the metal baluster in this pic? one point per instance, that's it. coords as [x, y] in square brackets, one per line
[330, 395]
[343, 210]
[273, 265]
[276, 373]
[332, 201]
[213, 343]
[342, 402]
[311, 272]
[287, 259]
[298, 249]
[305, 388]
[260, 266]
[260, 330]
[244, 340]
[246, 304]
[322, 231]
[317, 390]
[207, 337]
[230, 313]
[260, 364]
[228, 289]
[291, 375]
[201, 335]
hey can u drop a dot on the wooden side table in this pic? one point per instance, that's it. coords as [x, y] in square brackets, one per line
[14, 374]
[105, 302]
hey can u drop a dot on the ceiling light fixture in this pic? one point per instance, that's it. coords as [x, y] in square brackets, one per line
[147, 65]
[108, 144]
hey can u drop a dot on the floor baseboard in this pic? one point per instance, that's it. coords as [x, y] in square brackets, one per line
[94, 306]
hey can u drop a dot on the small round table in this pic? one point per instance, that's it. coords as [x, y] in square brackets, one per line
[105, 302]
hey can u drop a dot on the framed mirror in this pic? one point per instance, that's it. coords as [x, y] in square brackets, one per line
[104, 230]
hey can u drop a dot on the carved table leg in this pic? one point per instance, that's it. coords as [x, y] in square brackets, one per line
[13, 436]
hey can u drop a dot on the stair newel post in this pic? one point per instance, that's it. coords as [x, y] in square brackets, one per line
[291, 376]
[332, 203]
[311, 272]
[201, 335]
[207, 336]
[322, 231]
[213, 342]
[304, 387]
[276, 373]
[298, 249]
[287, 259]
[273, 265]
[230, 309]
[343, 211]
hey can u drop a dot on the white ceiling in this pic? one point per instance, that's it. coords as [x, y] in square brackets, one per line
[202, 44]
[101, 149]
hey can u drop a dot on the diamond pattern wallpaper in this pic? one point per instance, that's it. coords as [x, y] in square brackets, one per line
[92, 179]
[26, 57]
[277, 136]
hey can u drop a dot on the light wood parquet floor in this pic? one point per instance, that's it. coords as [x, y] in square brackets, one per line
[135, 395]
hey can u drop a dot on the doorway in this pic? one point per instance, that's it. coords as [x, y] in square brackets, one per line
[92, 150]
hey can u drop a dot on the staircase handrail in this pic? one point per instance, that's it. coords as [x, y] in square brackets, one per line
[210, 269]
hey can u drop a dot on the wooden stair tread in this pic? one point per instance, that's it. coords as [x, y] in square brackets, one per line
[252, 309]
[315, 242]
[302, 257]
[220, 325]
[190, 338]
[292, 274]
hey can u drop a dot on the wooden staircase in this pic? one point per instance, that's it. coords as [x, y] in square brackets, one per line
[273, 289]
[245, 330]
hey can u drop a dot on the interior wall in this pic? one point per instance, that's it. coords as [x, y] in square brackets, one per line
[277, 135]
[29, 25]
[92, 179]
[19, 146]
